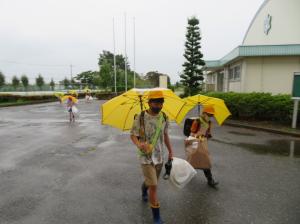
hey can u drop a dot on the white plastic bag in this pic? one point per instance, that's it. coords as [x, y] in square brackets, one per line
[182, 172]
[74, 110]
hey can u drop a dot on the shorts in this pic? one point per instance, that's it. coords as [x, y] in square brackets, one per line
[69, 109]
[151, 173]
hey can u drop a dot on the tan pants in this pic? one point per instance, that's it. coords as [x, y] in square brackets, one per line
[151, 173]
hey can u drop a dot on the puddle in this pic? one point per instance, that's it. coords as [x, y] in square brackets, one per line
[276, 147]
[241, 133]
[289, 148]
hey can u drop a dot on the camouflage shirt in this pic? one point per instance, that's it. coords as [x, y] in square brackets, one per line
[150, 128]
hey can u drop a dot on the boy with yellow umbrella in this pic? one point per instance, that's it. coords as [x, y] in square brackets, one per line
[150, 133]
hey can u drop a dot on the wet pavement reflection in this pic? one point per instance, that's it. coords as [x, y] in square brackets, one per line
[281, 147]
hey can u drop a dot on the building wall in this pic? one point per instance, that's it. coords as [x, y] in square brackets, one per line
[270, 74]
[284, 24]
[235, 85]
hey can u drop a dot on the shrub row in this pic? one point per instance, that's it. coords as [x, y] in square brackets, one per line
[258, 106]
[105, 95]
[7, 98]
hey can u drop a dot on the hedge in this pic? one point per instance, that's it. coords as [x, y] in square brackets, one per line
[258, 106]
[7, 98]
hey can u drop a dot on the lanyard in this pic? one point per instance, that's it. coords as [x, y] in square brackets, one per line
[156, 135]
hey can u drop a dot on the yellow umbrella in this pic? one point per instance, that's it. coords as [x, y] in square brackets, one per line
[221, 111]
[74, 99]
[86, 90]
[73, 92]
[119, 112]
[59, 94]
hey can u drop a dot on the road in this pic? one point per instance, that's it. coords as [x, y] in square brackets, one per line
[52, 171]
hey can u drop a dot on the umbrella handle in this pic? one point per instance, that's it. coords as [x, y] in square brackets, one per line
[141, 102]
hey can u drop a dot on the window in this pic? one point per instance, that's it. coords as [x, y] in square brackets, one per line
[235, 73]
[213, 79]
[231, 74]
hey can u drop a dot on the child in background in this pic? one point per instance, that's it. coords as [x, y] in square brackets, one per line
[70, 104]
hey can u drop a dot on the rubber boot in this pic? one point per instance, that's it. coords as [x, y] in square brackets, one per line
[144, 192]
[210, 181]
[156, 214]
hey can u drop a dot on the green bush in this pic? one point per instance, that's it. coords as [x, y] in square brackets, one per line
[105, 95]
[6, 98]
[258, 106]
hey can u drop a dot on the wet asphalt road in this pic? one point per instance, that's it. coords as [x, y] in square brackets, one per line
[84, 173]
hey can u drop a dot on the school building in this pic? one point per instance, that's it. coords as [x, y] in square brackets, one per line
[269, 56]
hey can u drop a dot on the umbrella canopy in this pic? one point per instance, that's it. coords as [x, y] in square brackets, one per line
[87, 90]
[73, 92]
[221, 111]
[74, 99]
[119, 112]
[59, 94]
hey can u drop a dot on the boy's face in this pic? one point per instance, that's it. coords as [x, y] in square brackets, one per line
[155, 106]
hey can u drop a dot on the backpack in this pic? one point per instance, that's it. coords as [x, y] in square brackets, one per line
[187, 126]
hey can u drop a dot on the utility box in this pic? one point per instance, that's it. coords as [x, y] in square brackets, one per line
[163, 81]
[296, 97]
[296, 85]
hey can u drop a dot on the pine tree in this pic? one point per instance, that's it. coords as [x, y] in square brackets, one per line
[52, 84]
[15, 82]
[25, 81]
[192, 76]
[2, 79]
[40, 81]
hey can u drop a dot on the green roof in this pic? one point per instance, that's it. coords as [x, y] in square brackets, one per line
[254, 51]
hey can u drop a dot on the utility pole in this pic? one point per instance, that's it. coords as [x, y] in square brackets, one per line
[115, 69]
[71, 67]
[134, 53]
[125, 53]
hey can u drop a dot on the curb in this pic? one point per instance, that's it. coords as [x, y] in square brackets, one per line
[277, 131]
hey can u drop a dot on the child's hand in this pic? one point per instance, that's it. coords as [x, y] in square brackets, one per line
[146, 147]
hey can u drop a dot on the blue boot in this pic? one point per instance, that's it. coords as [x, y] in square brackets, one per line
[144, 192]
[156, 214]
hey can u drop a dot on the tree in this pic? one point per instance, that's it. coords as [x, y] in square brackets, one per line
[192, 76]
[40, 81]
[73, 83]
[108, 58]
[24, 81]
[52, 84]
[106, 75]
[15, 82]
[66, 83]
[2, 79]
[87, 78]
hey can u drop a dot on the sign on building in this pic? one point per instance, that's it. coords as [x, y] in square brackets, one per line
[296, 85]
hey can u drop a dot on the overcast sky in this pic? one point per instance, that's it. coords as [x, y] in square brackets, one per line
[46, 36]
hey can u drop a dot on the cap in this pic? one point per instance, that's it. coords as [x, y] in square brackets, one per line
[209, 110]
[157, 94]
